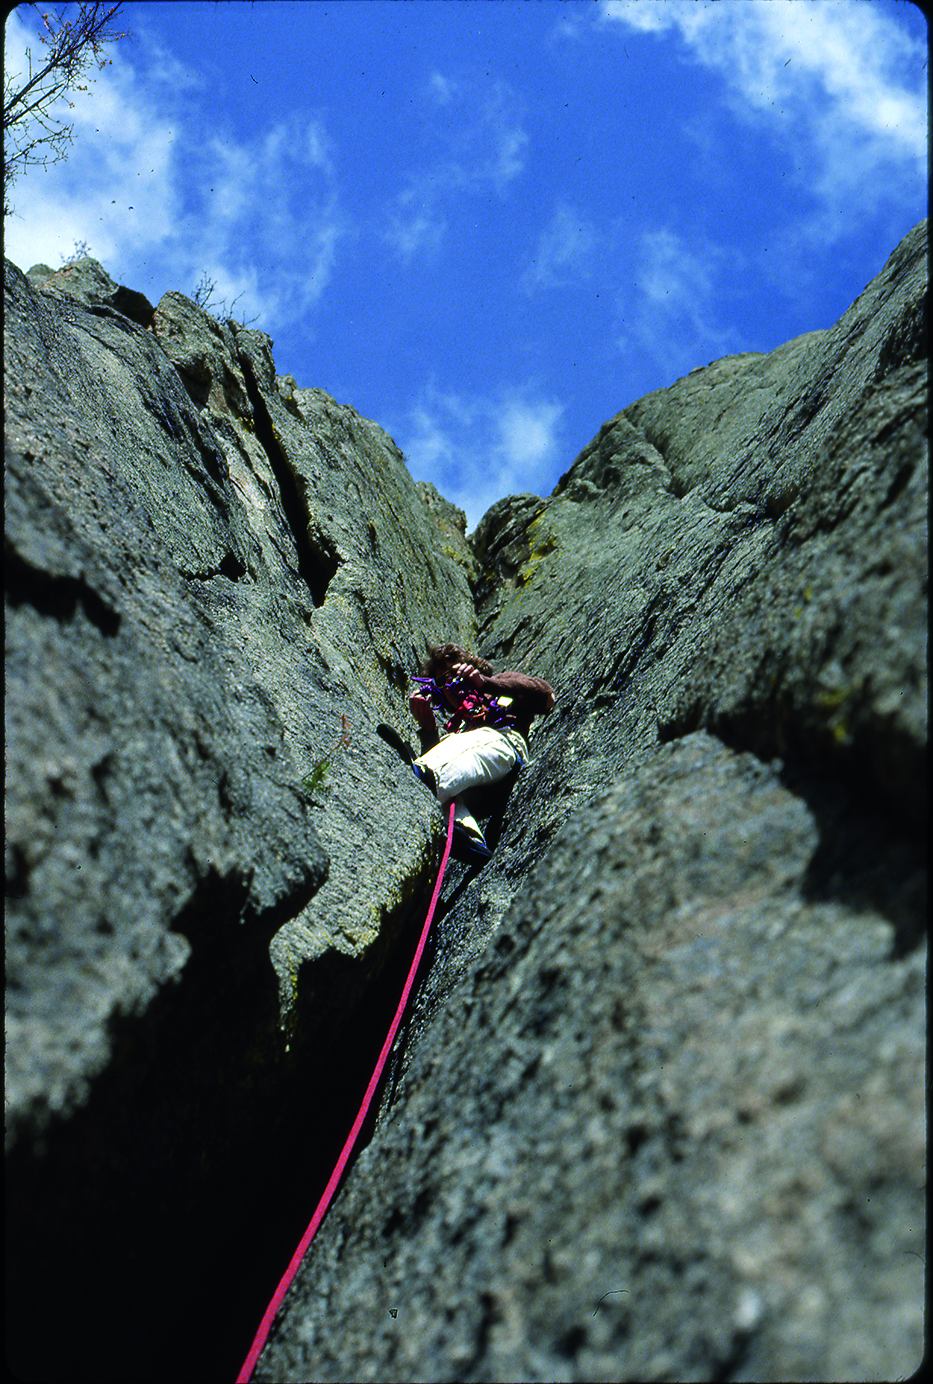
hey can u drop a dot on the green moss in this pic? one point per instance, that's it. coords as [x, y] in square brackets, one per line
[540, 545]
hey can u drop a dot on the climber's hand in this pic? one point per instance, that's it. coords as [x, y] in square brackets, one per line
[420, 708]
[468, 673]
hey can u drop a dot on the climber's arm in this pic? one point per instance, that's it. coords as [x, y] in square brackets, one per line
[420, 708]
[536, 694]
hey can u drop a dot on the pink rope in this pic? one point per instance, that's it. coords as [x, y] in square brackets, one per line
[255, 1350]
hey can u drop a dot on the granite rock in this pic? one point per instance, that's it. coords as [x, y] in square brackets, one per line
[669, 1125]
[85, 281]
[659, 1108]
[209, 588]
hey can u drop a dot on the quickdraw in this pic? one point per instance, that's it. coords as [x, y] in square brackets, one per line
[471, 703]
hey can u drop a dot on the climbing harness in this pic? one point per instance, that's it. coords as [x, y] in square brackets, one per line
[471, 702]
[255, 1350]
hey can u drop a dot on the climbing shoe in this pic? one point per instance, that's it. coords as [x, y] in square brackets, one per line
[472, 845]
[426, 776]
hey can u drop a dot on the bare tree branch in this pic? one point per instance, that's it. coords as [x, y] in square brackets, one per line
[35, 133]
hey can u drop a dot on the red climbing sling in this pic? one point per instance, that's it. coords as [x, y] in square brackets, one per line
[249, 1364]
[467, 703]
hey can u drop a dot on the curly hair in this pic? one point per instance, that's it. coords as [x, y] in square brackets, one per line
[442, 657]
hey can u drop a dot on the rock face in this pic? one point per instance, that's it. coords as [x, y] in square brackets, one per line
[207, 569]
[659, 1112]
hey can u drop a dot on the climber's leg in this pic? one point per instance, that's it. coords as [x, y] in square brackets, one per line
[467, 760]
[472, 758]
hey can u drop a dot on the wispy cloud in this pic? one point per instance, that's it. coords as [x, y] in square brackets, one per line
[417, 222]
[564, 250]
[670, 312]
[506, 137]
[475, 145]
[478, 449]
[151, 179]
[836, 89]
[839, 75]
[441, 89]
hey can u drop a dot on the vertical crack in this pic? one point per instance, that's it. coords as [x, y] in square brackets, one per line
[318, 559]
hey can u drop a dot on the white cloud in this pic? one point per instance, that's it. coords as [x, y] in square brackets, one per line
[526, 433]
[417, 225]
[441, 89]
[671, 311]
[478, 449]
[650, 16]
[832, 71]
[668, 275]
[88, 196]
[162, 194]
[834, 91]
[506, 139]
[480, 143]
[563, 252]
[569, 28]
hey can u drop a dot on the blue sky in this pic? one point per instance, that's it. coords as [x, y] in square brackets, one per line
[490, 225]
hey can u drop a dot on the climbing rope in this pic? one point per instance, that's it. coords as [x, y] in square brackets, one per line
[255, 1350]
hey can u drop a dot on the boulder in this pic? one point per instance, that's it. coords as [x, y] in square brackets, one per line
[83, 280]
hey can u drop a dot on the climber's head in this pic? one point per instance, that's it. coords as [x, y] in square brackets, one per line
[442, 657]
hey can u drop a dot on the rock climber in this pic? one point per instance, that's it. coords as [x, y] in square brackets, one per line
[489, 716]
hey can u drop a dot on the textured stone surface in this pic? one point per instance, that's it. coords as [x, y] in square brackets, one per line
[186, 629]
[662, 1109]
[206, 571]
[86, 281]
[451, 521]
[659, 1112]
[670, 1126]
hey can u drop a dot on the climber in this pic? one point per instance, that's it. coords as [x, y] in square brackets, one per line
[489, 717]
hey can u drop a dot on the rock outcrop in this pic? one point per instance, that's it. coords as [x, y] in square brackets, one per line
[207, 569]
[646, 1128]
[660, 1109]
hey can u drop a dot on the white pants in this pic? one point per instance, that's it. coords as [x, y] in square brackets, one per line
[470, 759]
